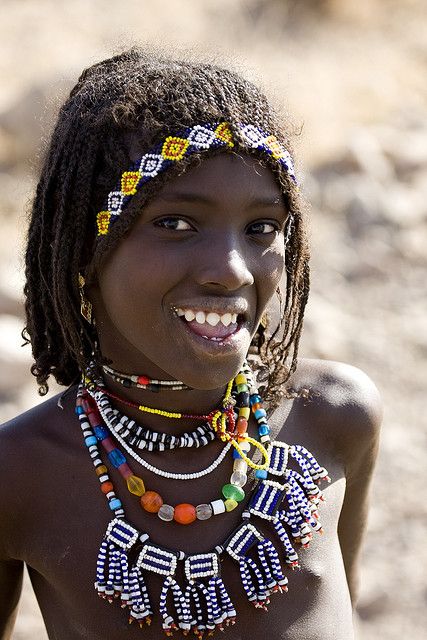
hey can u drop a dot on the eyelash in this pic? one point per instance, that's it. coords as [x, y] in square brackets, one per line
[163, 223]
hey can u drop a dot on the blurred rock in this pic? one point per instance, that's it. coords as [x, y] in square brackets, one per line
[377, 606]
[28, 121]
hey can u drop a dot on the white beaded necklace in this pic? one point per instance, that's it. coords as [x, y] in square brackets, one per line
[107, 413]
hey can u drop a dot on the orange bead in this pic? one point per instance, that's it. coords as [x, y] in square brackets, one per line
[241, 426]
[256, 406]
[106, 487]
[151, 501]
[184, 513]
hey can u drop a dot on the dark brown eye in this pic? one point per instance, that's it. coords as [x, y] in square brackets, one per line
[263, 227]
[173, 223]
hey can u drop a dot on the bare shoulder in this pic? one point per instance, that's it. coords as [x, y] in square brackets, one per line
[344, 405]
[28, 445]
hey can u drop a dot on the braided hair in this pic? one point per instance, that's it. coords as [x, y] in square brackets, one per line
[121, 107]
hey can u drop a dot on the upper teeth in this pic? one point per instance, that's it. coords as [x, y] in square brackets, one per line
[211, 317]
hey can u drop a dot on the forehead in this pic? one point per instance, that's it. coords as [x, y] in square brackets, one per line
[226, 175]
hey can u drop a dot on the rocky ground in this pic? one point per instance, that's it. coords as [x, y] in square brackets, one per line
[355, 78]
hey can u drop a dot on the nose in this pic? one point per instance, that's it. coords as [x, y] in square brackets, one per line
[224, 265]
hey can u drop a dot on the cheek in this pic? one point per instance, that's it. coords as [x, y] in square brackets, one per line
[273, 264]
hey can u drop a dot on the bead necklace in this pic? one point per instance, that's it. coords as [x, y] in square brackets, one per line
[151, 501]
[144, 382]
[140, 437]
[239, 440]
[203, 604]
[177, 415]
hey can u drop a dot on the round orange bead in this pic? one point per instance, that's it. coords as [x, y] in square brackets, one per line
[184, 513]
[151, 501]
[241, 426]
[256, 406]
[106, 487]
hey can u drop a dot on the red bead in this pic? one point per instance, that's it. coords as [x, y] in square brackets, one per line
[106, 487]
[242, 426]
[151, 501]
[184, 513]
[144, 380]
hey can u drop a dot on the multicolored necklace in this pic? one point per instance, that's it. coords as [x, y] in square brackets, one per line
[289, 499]
[140, 437]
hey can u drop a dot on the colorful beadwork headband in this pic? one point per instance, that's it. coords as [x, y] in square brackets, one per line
[174, 148]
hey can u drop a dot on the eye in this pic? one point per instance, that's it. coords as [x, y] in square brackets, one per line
[263, 227]
[173, 223]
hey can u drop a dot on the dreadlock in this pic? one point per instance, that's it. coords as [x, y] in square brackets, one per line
[121, 107]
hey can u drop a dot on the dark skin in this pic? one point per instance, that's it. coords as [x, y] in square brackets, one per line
[219, 231]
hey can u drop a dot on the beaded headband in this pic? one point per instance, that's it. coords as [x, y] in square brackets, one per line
[193, 139]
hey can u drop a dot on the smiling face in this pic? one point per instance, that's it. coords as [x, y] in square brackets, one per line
[182, 294]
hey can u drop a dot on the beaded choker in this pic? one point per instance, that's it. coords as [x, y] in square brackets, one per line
[144, 382]
[285, 498]
[200, 138]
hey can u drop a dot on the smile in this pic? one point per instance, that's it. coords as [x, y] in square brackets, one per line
[212, 325]
[212, 318]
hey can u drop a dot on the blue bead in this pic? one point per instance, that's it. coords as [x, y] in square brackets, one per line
[260, 413]
[101, 433]
[254, 399]
[116, 458]
[90, 440]
[236, 454]
[114, 504]
[263, 429]
[79, 410]
[261, 474]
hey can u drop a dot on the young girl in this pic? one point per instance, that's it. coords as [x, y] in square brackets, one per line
[166, 218]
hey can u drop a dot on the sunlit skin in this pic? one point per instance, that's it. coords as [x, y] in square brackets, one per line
[211, 239]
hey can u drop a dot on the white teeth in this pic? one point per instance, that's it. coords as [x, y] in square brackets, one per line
[226, 319]
[213, 319]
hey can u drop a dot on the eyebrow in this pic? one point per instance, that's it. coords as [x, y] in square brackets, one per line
[267, 201]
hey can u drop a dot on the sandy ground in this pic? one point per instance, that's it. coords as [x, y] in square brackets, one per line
[354, 77]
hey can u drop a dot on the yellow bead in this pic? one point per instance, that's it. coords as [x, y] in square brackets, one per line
[245, 412]
[230, 504]
[135, 485]
[240, 379]
[101, 470]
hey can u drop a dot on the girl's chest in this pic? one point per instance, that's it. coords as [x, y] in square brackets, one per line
[66, 538]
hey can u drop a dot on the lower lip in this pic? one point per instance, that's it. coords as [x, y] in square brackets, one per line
[233, 342]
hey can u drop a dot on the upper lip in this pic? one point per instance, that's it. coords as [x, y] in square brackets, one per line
[236, 305]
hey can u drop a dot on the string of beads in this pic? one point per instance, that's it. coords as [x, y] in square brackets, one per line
[144, 382]
[94, 405]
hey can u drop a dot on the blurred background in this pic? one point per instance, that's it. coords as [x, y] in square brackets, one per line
[353, 76]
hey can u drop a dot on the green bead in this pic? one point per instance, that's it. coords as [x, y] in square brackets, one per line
[241, 387]
[231, 492]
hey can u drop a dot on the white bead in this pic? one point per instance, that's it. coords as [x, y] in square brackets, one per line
[218, 506]
[245, 446]
[238, 479]
[240, 465]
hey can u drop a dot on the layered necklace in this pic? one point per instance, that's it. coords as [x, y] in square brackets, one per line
[286, 498]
